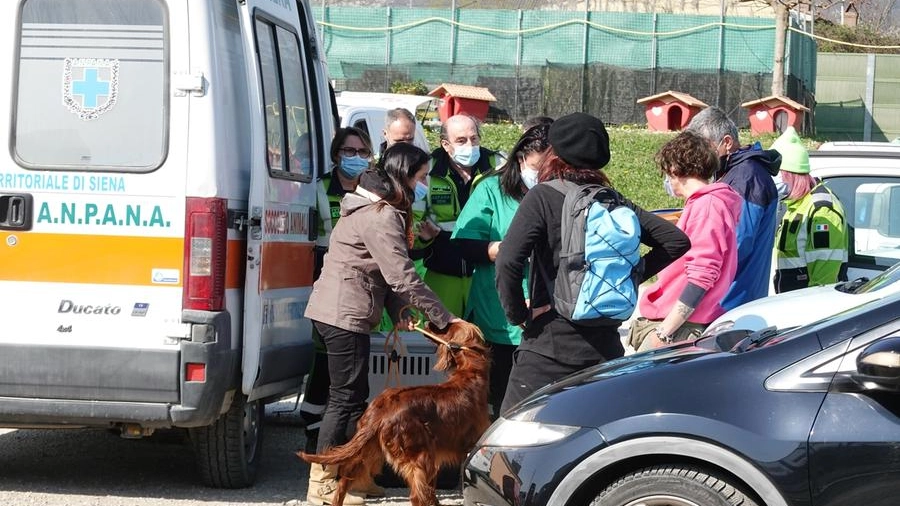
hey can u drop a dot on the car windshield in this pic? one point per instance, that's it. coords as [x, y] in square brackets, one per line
[862, 285]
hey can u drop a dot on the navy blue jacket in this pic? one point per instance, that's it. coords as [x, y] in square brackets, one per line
[749, 171]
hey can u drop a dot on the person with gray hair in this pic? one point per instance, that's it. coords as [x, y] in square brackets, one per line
[399, 126]
[749, 170]
[456, 166]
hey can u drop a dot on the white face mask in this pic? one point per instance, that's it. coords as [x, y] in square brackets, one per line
[668, 186]
[783, 188]
[529, 176]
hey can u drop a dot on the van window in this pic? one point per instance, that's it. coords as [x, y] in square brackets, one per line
[871, 204]
[284, 93]
[92, 90]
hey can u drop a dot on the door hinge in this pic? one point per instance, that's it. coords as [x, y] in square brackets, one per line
[189, 82]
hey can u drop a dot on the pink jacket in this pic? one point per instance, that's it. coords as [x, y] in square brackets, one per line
[710, 220]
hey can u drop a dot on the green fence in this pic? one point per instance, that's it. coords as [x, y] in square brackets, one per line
[547, 62]
[858, 97]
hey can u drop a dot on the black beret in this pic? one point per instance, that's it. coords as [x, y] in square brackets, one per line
[580, 140]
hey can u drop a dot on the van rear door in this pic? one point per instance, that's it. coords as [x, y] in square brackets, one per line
[91, 204]
[289, 133]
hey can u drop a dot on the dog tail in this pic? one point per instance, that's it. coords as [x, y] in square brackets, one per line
[344, 452]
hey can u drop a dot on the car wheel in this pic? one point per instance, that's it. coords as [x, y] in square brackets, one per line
[672, 486]
[228, 451]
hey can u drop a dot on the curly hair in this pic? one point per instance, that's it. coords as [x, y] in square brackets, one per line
[688, 155]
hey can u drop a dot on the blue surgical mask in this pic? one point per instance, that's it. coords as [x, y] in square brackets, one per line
[421, 191]
[668, 186]
[529, 176]
[353, 166]
[467, 155]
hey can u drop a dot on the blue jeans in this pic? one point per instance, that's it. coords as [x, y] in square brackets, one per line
[348, 372]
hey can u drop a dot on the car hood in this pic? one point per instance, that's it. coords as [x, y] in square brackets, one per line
[662, 386]
[639, 363]
[795, 308]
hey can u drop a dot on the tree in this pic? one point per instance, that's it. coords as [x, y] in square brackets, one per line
[782, 10]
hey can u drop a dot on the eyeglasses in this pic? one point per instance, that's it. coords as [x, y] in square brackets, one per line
[362, 152]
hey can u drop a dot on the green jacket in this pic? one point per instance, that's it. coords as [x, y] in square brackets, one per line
[812, 242]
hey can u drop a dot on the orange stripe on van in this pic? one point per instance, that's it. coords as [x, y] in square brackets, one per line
[235, 263]
[286, 265]
[97, 259]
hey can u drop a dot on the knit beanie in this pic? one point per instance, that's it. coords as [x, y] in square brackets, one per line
[580, 140]
[794, 156]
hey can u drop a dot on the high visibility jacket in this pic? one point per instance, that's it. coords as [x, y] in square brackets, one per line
[447, 195]
[329, 193]
[812, 242]
[328, 205]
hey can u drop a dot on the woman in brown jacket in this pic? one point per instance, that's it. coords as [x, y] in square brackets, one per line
[367, 267]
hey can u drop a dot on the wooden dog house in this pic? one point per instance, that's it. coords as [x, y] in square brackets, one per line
[462, 99]
[775, 114]
[671, 110]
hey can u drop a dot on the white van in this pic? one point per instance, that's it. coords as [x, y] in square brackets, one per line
[865, 176]
[157, 216]
[367, 111]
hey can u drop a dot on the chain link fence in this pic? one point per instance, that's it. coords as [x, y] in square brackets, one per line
[551, 61]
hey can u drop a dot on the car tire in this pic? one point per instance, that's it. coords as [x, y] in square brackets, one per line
[672, 486]
[228, 451]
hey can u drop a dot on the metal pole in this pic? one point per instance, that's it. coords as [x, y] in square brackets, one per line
[387, 51]
[584, 58]
[654, 48]
[518, 60]
[870, 97]
[452, 34]
[720, 64]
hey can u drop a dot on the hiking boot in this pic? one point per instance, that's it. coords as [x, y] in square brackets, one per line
[323, 483]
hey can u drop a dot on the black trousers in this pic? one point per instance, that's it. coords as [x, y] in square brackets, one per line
[348, 372]
[501, 365]
[530, 372]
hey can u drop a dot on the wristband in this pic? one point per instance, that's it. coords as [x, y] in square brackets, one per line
[666, 338]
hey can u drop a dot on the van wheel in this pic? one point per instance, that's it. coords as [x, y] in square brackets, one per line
[228, 450]
[672, 486]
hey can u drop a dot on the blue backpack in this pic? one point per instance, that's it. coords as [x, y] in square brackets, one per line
[599, 258]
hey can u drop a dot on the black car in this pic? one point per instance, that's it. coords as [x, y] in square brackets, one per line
[810, 416]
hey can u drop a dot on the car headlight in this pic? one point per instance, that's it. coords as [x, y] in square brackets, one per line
[521, 430]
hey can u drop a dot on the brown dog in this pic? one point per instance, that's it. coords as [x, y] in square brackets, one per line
[419, 429]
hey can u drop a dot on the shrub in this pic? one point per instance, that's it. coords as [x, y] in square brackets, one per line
[409, 87]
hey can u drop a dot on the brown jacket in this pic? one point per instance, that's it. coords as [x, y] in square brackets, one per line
[367, 265]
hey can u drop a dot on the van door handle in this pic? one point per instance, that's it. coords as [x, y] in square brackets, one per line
[16, 211]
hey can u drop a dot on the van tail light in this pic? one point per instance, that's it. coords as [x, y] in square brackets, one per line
[205, 229]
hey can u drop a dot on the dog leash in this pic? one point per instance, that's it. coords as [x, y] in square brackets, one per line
[437, 339]
[391, 346]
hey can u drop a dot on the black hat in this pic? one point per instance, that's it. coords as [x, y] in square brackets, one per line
[580, 140]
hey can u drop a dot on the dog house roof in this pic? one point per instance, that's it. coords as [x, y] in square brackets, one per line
[672, 96]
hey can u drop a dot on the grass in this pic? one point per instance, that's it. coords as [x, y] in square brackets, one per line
[631, 167]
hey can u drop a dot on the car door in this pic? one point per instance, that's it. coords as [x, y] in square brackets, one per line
[854, 445]
[289, 132]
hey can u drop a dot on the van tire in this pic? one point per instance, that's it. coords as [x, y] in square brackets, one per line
[228, 451]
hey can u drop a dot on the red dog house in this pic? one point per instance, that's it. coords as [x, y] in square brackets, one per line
[671, 110]
[774, 114]
[462, 99]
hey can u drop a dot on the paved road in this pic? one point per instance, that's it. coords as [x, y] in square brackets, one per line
[89, 467]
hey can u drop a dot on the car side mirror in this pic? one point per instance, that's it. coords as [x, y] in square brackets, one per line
[878, 366]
